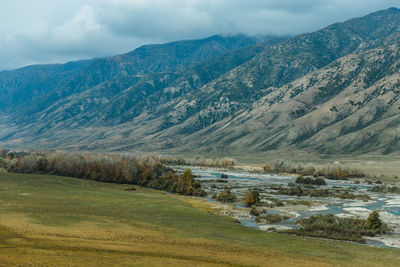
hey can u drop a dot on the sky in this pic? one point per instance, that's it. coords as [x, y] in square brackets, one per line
[57, 31]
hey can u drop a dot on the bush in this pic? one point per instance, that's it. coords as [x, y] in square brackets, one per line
[221, 163]
[318, 181]
[330, 226]
[375, 224]
[386, 189]
[252, 197]
[298, 191]
[11, 155]
[274, 202]
[339, 173]
[299, 202]
[226, 196]
[224, 176]
[257, 211]
[331, 172]
[273, 218]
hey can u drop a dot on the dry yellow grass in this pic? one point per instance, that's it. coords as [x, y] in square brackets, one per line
[55, 221]
[24, 242]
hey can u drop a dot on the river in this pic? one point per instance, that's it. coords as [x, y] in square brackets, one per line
[239, 182]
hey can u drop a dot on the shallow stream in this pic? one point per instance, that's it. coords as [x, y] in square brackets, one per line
[239, 182]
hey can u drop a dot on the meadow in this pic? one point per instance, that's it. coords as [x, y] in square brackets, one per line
[53, 220]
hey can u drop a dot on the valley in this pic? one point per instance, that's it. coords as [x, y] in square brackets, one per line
[262, 148]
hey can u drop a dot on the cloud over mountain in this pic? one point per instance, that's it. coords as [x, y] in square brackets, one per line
[45, 31]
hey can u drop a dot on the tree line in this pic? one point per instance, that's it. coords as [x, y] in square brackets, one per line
[113, 168]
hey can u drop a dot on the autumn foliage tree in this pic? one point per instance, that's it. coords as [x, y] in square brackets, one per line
[114, 168]
[252, 197]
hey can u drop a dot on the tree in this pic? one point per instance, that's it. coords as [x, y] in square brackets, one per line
[11, 155]
[374, 223]
[252, 197]
[186, 182]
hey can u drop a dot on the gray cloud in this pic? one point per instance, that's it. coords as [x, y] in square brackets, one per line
[45, 31]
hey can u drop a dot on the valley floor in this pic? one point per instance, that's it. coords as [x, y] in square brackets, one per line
[49, 220]
[371, 164]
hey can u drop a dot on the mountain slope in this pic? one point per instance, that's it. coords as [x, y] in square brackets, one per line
[344, 107]
[22, 85]
[50, 87]
[331, 91]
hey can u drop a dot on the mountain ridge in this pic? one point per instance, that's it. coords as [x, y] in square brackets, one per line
[280, 93]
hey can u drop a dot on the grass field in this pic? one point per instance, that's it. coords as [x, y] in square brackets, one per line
[59, 221]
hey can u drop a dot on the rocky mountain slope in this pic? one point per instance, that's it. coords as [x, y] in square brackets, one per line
[43, 85]
[332, 91]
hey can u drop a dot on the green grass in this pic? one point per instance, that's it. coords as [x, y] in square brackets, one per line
[50, 219]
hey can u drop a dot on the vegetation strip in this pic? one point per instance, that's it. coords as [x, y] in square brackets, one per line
[332, 227]
[114, 168]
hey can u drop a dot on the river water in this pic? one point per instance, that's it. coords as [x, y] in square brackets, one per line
[239, 182]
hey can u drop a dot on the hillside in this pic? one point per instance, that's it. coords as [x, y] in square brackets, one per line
[49, 83]
[335, 90]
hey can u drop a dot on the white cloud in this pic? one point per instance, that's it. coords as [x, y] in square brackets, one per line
[44, 31]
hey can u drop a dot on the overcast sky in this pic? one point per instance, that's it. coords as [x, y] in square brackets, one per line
[48, 31]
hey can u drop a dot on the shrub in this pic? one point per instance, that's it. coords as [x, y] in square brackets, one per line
[375, 224]
[273, 218]
[11, 155]
[224, 162]
[226, 196]
[299, 202]
[331, 172]
[252, 197]
[298, 191]
[330, 226]
[257, 211]
[386, 189]
[318, 181]
[339, 173]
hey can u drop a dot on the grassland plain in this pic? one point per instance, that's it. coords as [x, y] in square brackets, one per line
[61, 221]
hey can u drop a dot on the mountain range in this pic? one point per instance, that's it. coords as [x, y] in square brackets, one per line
[333, 91]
